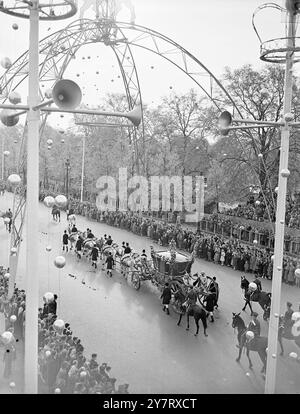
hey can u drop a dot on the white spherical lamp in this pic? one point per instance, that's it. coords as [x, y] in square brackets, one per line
[49, 201]
[293, 355]
[14, 179]
[14, 98]
[5, 63]
[60, 262]
[61, 200]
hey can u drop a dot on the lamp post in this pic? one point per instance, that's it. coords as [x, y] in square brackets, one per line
[67, 164]
[82, 168]
[285, 124]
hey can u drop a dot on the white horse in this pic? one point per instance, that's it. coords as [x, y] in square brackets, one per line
[114, 7]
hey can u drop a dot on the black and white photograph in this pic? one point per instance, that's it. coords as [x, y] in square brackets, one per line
[149, 200]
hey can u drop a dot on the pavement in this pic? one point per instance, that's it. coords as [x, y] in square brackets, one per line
[129, 330]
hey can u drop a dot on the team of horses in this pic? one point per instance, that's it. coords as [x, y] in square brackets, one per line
[133, 263]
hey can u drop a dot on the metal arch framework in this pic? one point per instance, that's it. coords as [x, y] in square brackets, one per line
[61, 47]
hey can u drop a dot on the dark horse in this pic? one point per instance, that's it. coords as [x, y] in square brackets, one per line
[56, 213]
[196, 311]
[258, 344]
[264, 300]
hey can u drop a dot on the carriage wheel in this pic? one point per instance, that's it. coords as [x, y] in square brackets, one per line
[136, 281]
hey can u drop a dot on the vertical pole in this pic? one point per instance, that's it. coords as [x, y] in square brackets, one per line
[82, 168]
[32, 198]
[67, 177]
[270, 385]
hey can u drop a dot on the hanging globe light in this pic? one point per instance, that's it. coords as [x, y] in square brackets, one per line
[61, 200]
[14, 179]
[13, 251]
[14, 98]
[5, 63]
[15, 26]
[48, 93]
[8, 117]
[60, 262]
[7, 337]
[49, 201]
[48, 354]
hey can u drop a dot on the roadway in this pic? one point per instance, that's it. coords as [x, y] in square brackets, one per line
[129, 330]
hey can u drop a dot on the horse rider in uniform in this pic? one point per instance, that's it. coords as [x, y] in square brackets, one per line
[254, 325]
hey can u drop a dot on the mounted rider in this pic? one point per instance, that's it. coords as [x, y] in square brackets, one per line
[254, 325]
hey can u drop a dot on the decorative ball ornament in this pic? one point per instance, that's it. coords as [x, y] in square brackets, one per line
[49, 141]
[48, 93]
[249, 335]
[49, 201]
[13, 318]
[6, 220]
[5, 63]
[297, 272]
[252, 286]
[7, 337]
[15, 26]
[14, 179]
[61, 200]
[13, 251]
[60, 262]
[6, 275]
[59, 325]
[293, 355]
[48, 354]
[285, 173]
[8, 117]
[288, 117]
[48, 297]
[295, 316]
[57, 391]
[14, 98]
[48, 248]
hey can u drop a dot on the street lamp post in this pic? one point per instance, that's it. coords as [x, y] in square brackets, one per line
[270, 386]
[67, 164]
[82, 168]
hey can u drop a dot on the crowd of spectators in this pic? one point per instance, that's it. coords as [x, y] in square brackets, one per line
[62, 365]
[256, 209]
[227, 251]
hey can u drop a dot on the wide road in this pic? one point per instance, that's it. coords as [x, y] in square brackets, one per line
[129, 330]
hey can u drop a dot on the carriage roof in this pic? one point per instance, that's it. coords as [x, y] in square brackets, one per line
[166, 256]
